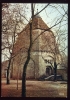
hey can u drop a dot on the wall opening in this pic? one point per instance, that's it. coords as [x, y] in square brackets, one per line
[48, 70]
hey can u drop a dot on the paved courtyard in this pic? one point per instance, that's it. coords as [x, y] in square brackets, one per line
[34, 88]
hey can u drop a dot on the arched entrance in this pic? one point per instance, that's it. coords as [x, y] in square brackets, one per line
[48, 70]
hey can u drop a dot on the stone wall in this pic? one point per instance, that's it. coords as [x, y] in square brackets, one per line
[32, 69]
[63, 73]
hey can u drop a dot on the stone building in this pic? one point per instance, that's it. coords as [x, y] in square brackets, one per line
[44, 48]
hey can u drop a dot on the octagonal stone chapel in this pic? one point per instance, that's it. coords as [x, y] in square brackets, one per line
[43, 49]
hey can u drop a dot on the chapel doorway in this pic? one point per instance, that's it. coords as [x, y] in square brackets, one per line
[48, 70]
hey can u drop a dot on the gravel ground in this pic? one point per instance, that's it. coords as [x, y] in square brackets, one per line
[34, 89]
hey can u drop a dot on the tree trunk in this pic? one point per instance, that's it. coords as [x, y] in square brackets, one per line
[55, 71]
[26, 63]
[24, 78]
[8, 77]
[8, 72]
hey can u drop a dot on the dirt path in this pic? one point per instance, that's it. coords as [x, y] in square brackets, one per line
[34, 89]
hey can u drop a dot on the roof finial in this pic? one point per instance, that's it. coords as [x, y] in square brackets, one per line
[37, 14]
[37, 10]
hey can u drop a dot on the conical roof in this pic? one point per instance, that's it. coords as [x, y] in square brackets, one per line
[38, 23]
[23, 39]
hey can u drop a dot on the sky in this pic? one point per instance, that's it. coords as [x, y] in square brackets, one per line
[49, 16]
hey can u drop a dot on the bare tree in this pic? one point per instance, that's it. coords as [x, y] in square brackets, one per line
[10, 28]
[55, 49]
[53, 46]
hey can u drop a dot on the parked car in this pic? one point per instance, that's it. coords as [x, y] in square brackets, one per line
[51, 78]
[42, 78]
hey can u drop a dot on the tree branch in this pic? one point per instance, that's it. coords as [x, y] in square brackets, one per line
[48, 29]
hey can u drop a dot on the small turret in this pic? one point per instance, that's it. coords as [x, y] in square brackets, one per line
[37, 16]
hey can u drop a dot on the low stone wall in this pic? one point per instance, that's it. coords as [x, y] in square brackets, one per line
[63, 73]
